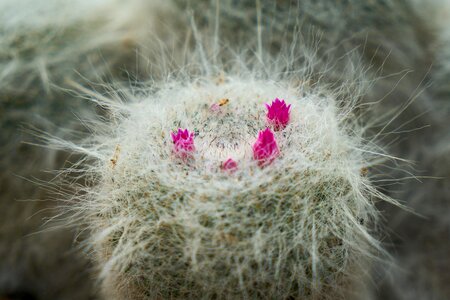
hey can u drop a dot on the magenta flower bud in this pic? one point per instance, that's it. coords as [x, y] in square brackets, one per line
[278, 114]
[229, 165]
[183, 143]
[265, 149]
[215, 107]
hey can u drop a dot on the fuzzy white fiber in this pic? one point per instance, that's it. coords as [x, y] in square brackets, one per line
[163, 228]
[44, 45]
[368, 85]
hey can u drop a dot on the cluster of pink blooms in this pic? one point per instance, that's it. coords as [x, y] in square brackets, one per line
[265, 149]
[183, 143]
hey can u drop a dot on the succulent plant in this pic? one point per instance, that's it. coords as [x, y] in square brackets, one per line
[194, 188]
[246, 212]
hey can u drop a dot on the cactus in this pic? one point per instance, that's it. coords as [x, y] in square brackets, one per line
[244, 176]
[44, 47]
[190, 195]
[294, 218]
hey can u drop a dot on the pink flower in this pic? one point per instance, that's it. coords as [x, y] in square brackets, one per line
[229, 165]
[265, 149]
[215, 107]
[278, 114]
[183, 143]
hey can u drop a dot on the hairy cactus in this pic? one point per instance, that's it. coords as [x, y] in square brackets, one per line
[44, 46]
[253, 172]
[202, 187]
[45, 43]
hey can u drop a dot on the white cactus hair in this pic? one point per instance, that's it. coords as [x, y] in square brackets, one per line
[302, 226]
[44, 44]
[305, 226]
